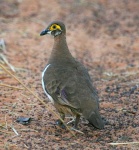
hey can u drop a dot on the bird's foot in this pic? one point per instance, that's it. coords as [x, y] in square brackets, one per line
[71, 121]
[60, 124]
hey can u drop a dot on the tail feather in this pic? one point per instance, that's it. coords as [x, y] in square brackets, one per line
[95, 119]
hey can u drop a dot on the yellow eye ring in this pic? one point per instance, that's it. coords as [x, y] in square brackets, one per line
[55, 27]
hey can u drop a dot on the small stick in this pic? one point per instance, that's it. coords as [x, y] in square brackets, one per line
[7, 63]
[14, 131]
[124, 143]
[31, 92]
[13, 87]
[28, 130]
[77, 130]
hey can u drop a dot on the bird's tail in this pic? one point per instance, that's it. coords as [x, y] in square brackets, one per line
[95, 119]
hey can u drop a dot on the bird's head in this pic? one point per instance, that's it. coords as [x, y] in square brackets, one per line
[55, 28]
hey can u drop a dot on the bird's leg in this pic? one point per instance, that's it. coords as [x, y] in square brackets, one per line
[76, 121]
[76, 124]
[59, 122]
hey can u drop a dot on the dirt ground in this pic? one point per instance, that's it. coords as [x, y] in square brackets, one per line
[104, 36]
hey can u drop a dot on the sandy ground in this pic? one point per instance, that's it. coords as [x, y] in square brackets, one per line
[104, 36]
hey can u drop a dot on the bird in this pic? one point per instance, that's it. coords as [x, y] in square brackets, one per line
[67, 83]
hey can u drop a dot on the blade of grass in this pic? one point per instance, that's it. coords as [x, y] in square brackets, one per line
[31, 92]
[6, 62]
[13, 87]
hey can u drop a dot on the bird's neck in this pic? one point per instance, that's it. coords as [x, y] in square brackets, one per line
[60, 52]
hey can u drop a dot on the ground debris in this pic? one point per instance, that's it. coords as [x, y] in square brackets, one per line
[104, 37]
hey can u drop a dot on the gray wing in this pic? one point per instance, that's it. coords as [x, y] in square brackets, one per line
[87, 78]
[70, 86]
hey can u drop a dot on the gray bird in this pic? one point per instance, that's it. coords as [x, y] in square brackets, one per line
[67, 83]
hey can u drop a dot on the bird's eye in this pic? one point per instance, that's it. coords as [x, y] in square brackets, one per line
[54, 27]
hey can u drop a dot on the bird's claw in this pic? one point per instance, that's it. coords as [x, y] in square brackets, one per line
[71, 121]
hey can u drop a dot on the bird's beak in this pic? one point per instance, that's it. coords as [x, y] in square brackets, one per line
[46, 31]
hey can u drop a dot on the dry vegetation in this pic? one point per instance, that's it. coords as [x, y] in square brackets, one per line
[104, 36]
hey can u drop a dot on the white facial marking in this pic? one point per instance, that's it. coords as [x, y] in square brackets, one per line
[57, 33]
[49, 32]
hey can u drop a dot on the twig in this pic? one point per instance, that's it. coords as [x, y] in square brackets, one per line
[16, 69]
[77, 130]
[7, 63]
[26, 96]
[14, 130]
[28, 130]
[124, 143]
[31, 104]
[13, 87]
[21, 69]
[31, 92]
[121, 76]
